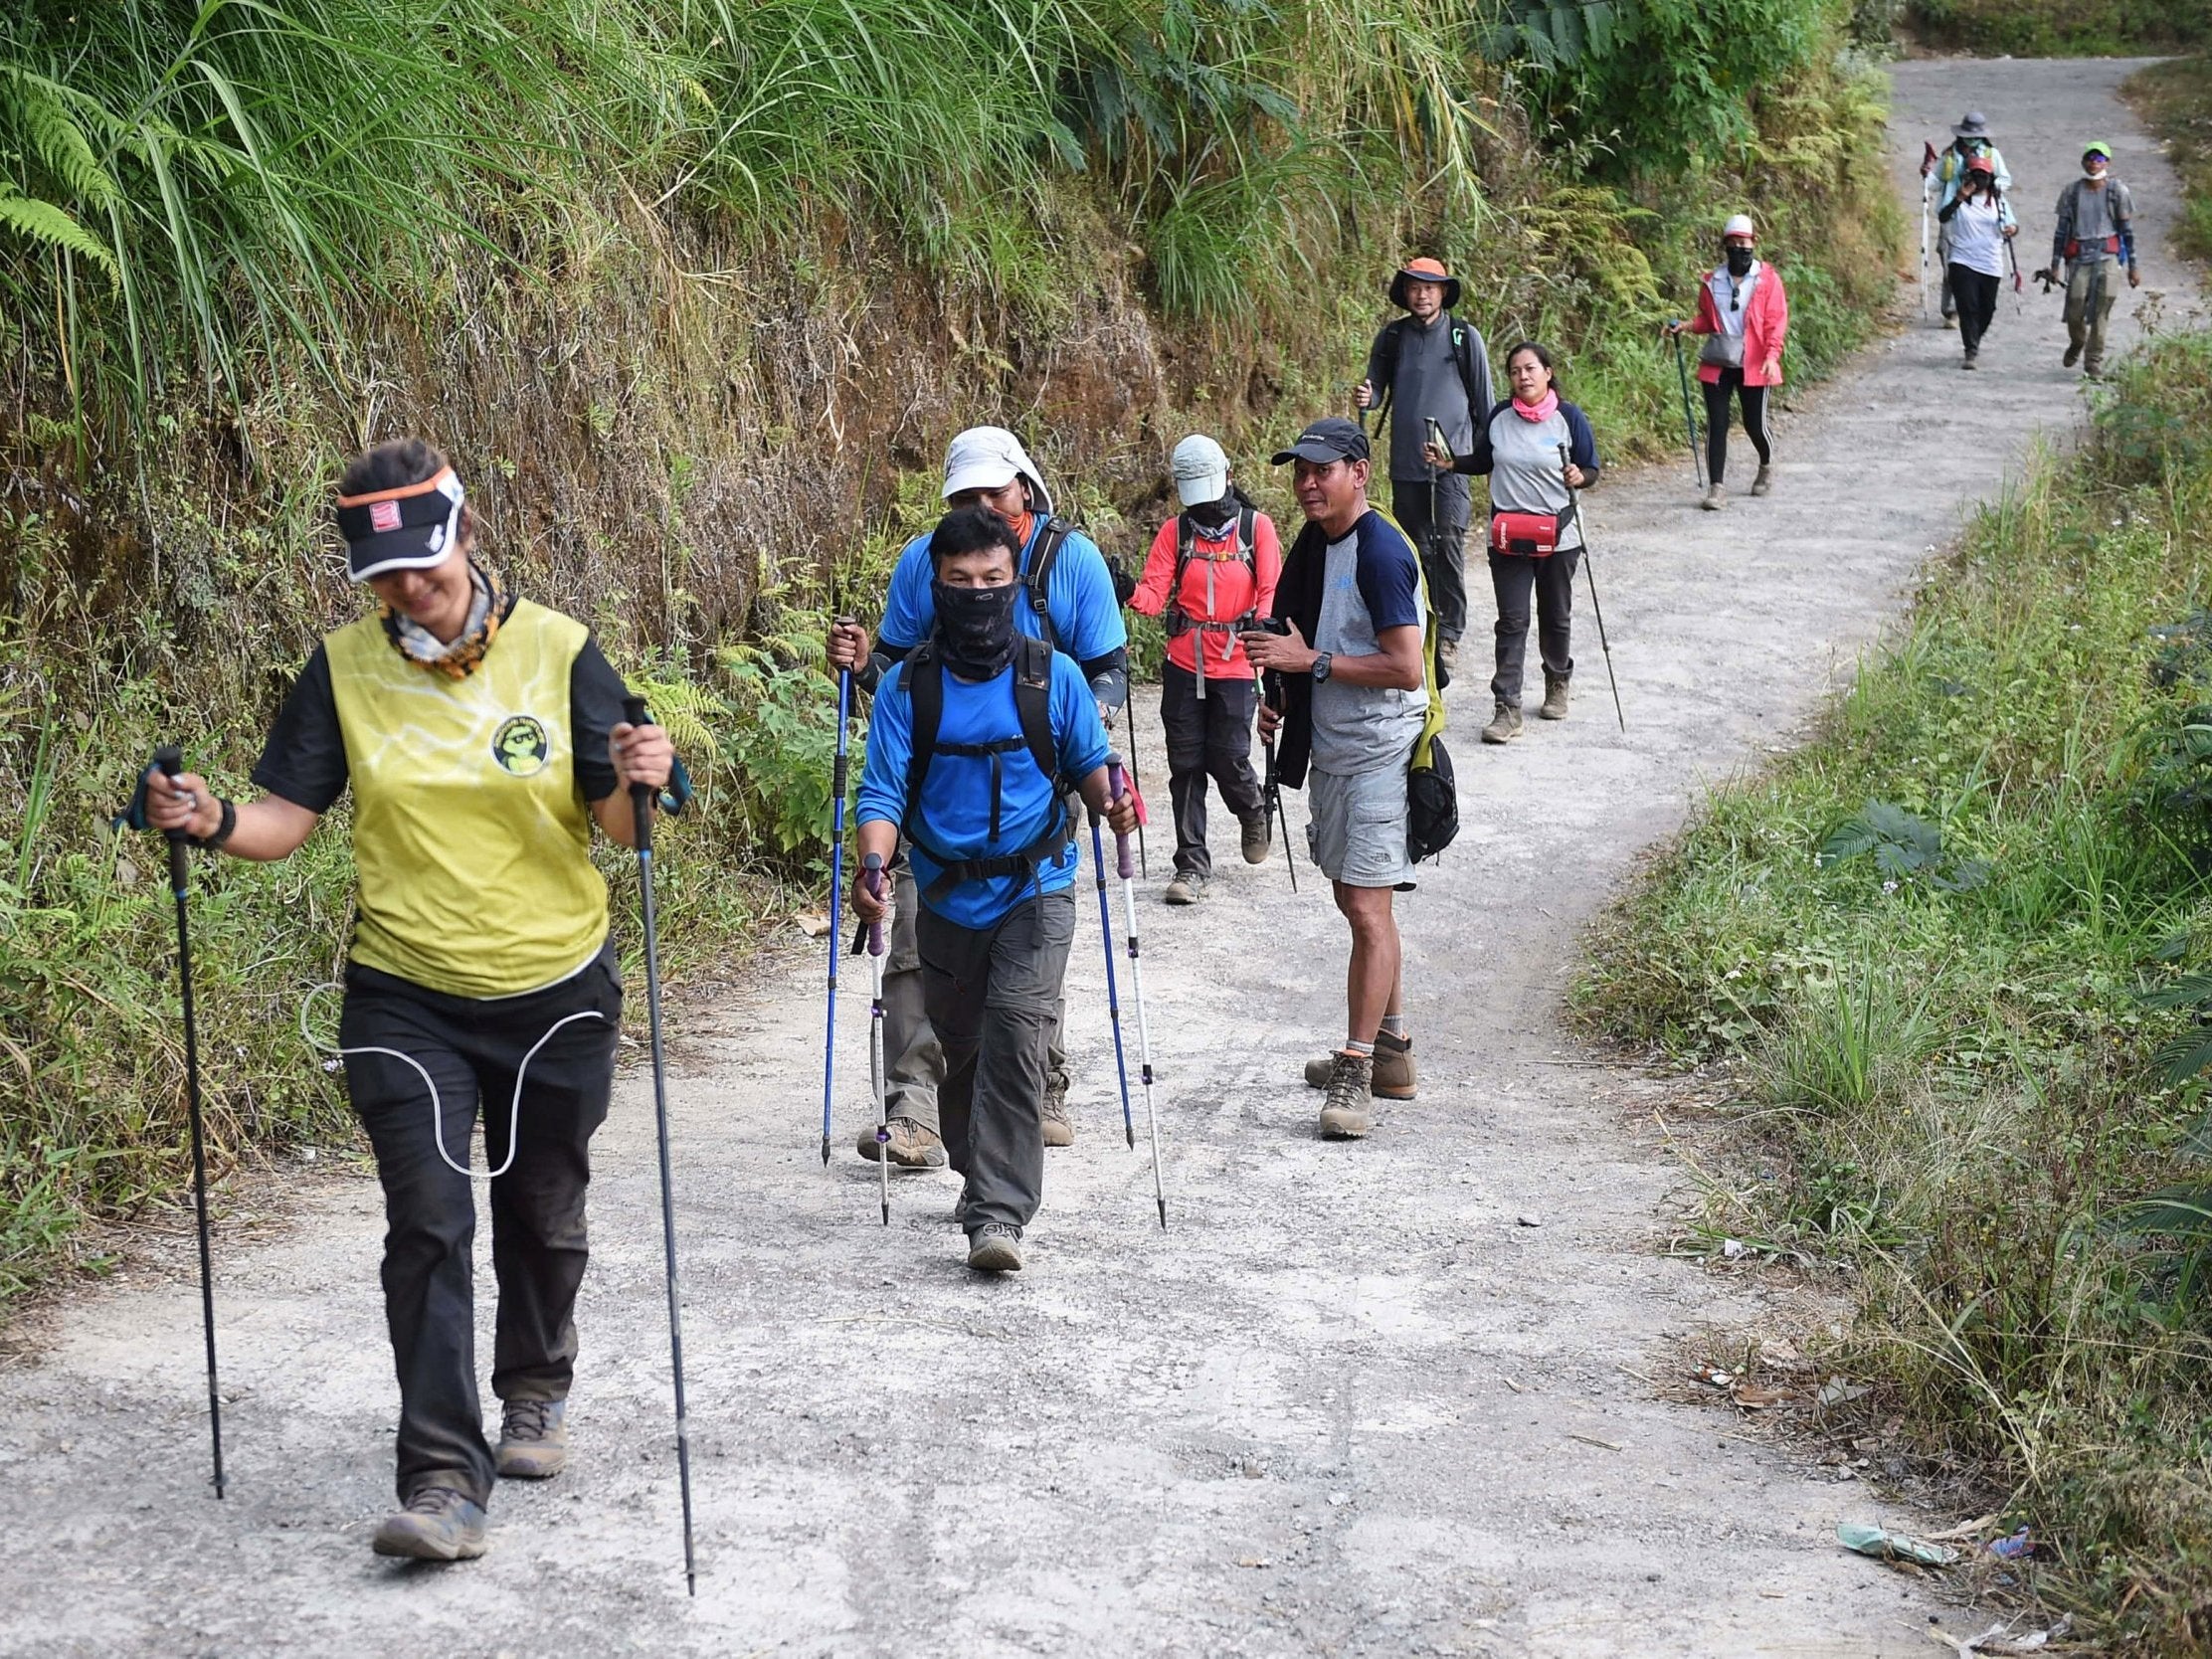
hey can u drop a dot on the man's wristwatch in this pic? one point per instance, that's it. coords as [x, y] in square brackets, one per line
[1323, 665]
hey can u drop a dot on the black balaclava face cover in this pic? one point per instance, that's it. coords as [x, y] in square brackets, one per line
[1739, 262]
[975, 629]
[1214, 518]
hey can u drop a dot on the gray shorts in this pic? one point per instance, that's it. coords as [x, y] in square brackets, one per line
[1356, 826]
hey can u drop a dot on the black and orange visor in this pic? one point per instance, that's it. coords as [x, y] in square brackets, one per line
[410, 528]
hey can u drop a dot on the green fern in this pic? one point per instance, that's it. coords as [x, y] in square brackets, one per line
[690, 714]
[44, 222]
[41, 109]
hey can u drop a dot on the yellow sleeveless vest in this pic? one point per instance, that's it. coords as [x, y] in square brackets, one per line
[471, 834]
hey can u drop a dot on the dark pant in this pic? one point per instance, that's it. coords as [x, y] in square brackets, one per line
[992, 994]
[472, 1050]
[1976, 294]
[1441, 543]
[1754, 401]
[1206, 738]
[1551, 580]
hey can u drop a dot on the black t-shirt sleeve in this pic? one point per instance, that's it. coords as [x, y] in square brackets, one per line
[304, 760]
[594, 709]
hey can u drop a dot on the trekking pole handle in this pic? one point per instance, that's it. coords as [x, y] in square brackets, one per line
[1114, 789]
[169, 761]
[871, 877]
[640, 795]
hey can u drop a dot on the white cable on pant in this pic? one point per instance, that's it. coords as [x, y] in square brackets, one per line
[436, 1114]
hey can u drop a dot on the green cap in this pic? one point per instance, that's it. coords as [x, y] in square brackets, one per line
[2098, 147]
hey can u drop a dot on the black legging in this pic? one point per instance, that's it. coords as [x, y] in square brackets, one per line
[1976, 293]
[1753, 400]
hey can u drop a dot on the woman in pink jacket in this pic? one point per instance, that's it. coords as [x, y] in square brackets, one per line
[1743, 312]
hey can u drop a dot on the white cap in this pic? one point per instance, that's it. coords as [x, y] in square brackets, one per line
[991, 457]
[1201, 471]
[1740, 225]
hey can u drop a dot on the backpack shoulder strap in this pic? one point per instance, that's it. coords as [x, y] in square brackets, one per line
[1032, 703]
[1463, 354]
[1247, 538]
[924, 678]
[1038, 577]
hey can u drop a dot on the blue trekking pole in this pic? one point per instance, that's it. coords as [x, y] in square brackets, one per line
[1113, 995]
[837, 885]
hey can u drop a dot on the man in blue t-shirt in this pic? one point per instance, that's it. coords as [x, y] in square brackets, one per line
[1067, 599]
[974, 742]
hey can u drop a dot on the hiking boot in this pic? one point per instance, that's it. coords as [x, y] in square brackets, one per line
[438, 1525]
[960, 1207]
[1346, 1114]
[1763, 484]
[1716, 497]
[995, 1247]
[1967, 362]
[1554, 697]
[2073, 356]
[1255, 836]
[1950, 319]
[1187, 887]
[1395, 1077]
[533, 1439]
[1505, 725]
[1447, 652]
[913, 1146]
[1059, 1128]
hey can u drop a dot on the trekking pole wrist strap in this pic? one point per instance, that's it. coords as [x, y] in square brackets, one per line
[227, 823]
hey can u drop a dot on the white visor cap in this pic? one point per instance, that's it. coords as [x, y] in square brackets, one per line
[991, 457]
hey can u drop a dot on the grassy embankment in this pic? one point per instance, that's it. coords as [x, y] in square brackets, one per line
[2059, 28]
[695, 292]
[1954, 953]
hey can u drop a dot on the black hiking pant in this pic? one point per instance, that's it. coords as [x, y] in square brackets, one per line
[1754, 402]
[1210, 737]
[992, 994]
[1550, 580]
[472, 1049]
[1976, 294]
[1441, 542]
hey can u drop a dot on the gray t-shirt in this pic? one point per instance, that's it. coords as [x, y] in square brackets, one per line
[2095, 214]
[1371, 581]
[1526, 473]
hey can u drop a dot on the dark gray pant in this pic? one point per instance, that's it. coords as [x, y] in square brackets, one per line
[1442, 545]
[1515, 577]
[538, 1249]
[993, 996]
[1208, 738]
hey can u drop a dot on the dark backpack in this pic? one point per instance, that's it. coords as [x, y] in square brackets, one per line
[1463, 353]
[924, 678]
[1036, 579]
[1187, 538]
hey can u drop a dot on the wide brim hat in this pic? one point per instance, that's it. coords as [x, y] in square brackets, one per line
[1423, 271]
[1974, 124]
[413, 527]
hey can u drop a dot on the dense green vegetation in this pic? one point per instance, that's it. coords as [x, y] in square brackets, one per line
[695, 292]
[1954, 953]
[2059, 28]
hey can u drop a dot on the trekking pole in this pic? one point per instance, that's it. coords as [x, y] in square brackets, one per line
[837, 779]
[1689, 417]
[1924, 195]
[640, 798]
[1113, 994]
[1136, 778]
[871, 868]
[1137, 988]
[171, 761]
[1272, 794]
[1574, 503]
[2013, 258]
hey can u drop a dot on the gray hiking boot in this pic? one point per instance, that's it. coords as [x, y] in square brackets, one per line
[1346, 1114]
[1059, 1128]
[438, 1523]
[913, 1146]
[1554, 697]
[1447, 652]
[995, 1247]
[1187, 887]
[1716, 497]
[533, 1439]
[1505, 725]
[1254, 839]
[1763, 484]
[1394, 1077]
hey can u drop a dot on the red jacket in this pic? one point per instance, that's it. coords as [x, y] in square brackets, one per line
[1765, 327]
[1233, 593]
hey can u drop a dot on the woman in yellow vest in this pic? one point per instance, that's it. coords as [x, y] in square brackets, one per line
[481, 735]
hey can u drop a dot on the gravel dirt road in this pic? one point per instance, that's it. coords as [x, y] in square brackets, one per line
[1349, 1404]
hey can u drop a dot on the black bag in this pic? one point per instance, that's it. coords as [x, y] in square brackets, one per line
[1431, 803]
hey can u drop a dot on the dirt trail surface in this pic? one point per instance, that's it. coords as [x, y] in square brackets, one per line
[1351, 1404]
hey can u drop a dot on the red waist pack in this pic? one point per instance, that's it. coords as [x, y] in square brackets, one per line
[1528, 534]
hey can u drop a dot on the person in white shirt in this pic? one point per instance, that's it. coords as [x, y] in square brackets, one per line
[1980, 222]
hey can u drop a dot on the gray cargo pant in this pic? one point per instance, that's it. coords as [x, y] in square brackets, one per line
[2091, 287]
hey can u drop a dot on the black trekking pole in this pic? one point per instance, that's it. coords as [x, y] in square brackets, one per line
[1271, 795]
[1113, 994]
[640, 798]
[871, 868]
[837, 780]
[1575, 504]
[1137, 988]
[171, 761]
[1144, 863]
[1689, 417]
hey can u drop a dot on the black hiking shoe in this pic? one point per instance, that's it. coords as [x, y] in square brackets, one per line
[912, 1145]
[533, 1439]
[438, 1523]
[1255, 838]
[995, 1247]
[2073, 356]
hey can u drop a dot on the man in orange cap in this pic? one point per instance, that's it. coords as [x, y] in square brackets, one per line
[1430, 366]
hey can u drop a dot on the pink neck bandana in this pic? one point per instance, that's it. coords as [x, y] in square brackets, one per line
[1538, 410]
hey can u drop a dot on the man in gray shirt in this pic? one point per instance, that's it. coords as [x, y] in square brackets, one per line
[2095, 231]
[1430, 365]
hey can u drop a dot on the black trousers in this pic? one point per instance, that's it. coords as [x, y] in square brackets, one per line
[1442, 544]
[1550, 580]
[1206, 738]
[1976, 294]
[472, 1051]
[992, 994]
[1754, 401]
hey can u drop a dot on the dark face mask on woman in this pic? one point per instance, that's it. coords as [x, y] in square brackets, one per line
[974, 628]
[1739, 262]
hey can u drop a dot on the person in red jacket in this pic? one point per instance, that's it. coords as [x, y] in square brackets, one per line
[1213, 568]
[1744, 311]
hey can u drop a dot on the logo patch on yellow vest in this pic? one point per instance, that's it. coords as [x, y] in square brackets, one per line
[520, 746]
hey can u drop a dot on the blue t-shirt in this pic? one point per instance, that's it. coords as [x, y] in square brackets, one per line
[1079, 597]
[954, 815]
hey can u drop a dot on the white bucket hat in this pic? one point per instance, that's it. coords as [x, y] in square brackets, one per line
[991, 457]
[1201, 471]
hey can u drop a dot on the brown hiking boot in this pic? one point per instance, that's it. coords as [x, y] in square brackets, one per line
[1716, 497]
[533, 1439]
[1505, 725]
[1395, 1077]
[438, 1523]
[1346, 1114]
[913, 1146]
[1059, 1128]
[1554, 697]
[1187, 887]
[1763, 484]
[1255, 838]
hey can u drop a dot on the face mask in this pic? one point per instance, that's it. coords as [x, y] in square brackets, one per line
[974, 628]
[2093, 174]
[1739, 262]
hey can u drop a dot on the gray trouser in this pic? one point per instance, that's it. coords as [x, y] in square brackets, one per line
[914, 1062]
[2090, 295]
[991, 996]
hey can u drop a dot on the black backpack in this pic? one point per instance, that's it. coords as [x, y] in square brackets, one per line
[1463, 354]
[924, 679]
[1036, 579]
